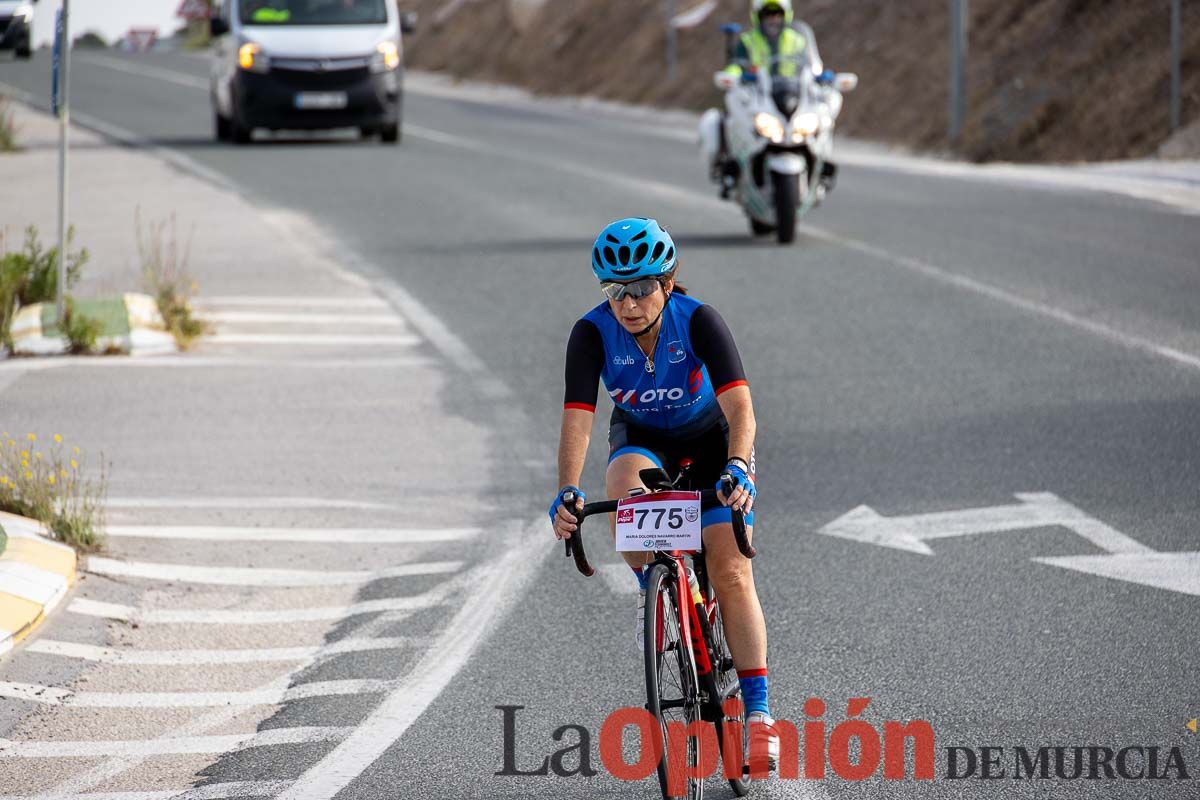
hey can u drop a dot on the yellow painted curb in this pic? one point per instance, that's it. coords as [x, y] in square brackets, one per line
[35, 575]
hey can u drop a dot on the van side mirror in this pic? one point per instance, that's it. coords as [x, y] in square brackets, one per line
[846, 81]
[408, 22]
[218, 27]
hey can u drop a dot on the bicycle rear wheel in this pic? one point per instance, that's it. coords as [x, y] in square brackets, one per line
[671, 694]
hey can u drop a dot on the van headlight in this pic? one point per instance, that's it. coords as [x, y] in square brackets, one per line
[252, 59]
[386, 57]
[768, 126]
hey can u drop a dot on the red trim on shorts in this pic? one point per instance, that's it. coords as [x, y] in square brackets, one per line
[752, 673]
[730, 385]
[580, 406]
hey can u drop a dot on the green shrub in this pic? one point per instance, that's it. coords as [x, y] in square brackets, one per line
[81, 330]
[30, 275]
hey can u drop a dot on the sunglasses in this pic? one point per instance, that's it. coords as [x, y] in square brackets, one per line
[635, 289]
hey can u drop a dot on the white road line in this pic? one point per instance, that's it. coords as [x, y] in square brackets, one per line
[1176, 572]
[246, 503]
[286, 616]
[190, 745]
[493, 591]
[17, 367]
[209, 791]
[31, 583]
[928, 270]
[110, 655]
[278, 318]
[332, 535]
[295, 303]
[309, 339]
[254, 576]
[52, 696]
[146, 71]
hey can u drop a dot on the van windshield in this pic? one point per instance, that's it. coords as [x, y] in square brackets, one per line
[313, 12]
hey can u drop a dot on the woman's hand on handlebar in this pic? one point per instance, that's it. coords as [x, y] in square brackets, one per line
[742, 495]
[563, 522]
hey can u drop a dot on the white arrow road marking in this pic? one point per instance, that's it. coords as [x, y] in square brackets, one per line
[1036, 510]
[189, 745]
[209, 791]
[253, 576]
[111, 655]
[1176, 572]
[334, 535]
[51, 696]
[284, 616]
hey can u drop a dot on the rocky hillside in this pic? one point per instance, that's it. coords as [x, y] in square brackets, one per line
[1049, 80]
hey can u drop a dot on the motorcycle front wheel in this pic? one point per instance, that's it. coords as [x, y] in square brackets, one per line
[787, 192]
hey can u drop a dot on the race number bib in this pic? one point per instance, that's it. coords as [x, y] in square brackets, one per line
[659, 521]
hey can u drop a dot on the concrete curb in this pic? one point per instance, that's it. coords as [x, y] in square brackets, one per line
[35, 575]
[131, 325]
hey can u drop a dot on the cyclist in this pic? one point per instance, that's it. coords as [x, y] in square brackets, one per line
[679, 390]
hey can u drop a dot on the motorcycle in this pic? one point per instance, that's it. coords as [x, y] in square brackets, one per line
[777, 132]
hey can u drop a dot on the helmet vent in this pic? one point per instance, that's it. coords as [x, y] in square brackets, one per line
[610, 256]
[612, 239]
[658, 248]
[596, 256]
[639, 254]
[670, 255]
[623, 256]
[639, 236]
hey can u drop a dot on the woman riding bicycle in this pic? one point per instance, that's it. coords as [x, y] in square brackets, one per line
[679, 390]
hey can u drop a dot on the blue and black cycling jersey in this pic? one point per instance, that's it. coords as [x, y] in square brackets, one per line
[695, 360]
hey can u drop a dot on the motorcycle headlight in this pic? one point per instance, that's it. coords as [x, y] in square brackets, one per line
[24, 11]
[386, 57]
[252, 59]
[768, 126]
[803, 125]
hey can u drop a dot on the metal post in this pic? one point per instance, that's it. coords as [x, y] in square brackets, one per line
[1176, 93]
[64, 121]
[672, 41]
[958, 59]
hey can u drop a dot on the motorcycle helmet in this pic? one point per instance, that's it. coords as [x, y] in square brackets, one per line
[632, 248]
[757, 7]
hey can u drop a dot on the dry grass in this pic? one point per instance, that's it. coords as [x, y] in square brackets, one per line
[166, 278]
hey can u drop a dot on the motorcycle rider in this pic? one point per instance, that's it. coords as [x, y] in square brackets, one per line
[782, 44]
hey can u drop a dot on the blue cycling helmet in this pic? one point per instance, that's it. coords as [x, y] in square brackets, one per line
[632, 248]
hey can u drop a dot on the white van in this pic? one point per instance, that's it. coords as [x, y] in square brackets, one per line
[16, 26]
[307, 65]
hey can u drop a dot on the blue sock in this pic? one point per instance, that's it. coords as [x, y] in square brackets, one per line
[641, 577]
[754, 690]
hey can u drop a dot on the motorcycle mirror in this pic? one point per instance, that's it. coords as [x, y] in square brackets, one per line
[846, 81]
[724, 81]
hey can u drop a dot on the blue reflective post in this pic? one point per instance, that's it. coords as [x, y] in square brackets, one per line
[1176, 93]
[958, 59]
[62, 107]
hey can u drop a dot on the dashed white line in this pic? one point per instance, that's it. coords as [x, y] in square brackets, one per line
[189, 745]
[286, 616]
[110, 655]
[246, 503]
[332, 535]
[253, 576]
[309, 339]
[52, 696]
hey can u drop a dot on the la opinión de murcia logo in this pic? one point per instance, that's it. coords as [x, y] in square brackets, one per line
[853, 750]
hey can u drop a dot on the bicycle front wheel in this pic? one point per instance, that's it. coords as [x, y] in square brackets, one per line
[671, 692]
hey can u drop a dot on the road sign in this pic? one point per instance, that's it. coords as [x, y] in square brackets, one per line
[1124, 559]
[193, 10]
[140, 40]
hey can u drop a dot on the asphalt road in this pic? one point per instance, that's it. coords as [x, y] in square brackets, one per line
[929, 344]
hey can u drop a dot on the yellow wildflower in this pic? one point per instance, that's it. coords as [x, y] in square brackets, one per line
[58, 438]
[25, 463]
[63, 473]
[37, 456]
[50, 479]
[76, 449]
[28, 476]
[24, 454]
[31, 437]
[74, 464]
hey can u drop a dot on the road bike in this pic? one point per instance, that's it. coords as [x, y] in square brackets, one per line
[690, 675]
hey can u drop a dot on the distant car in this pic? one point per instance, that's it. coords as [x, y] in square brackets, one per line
[16, 26]
[308, 65]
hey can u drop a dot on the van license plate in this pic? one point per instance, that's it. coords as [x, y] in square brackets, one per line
[321, 100]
